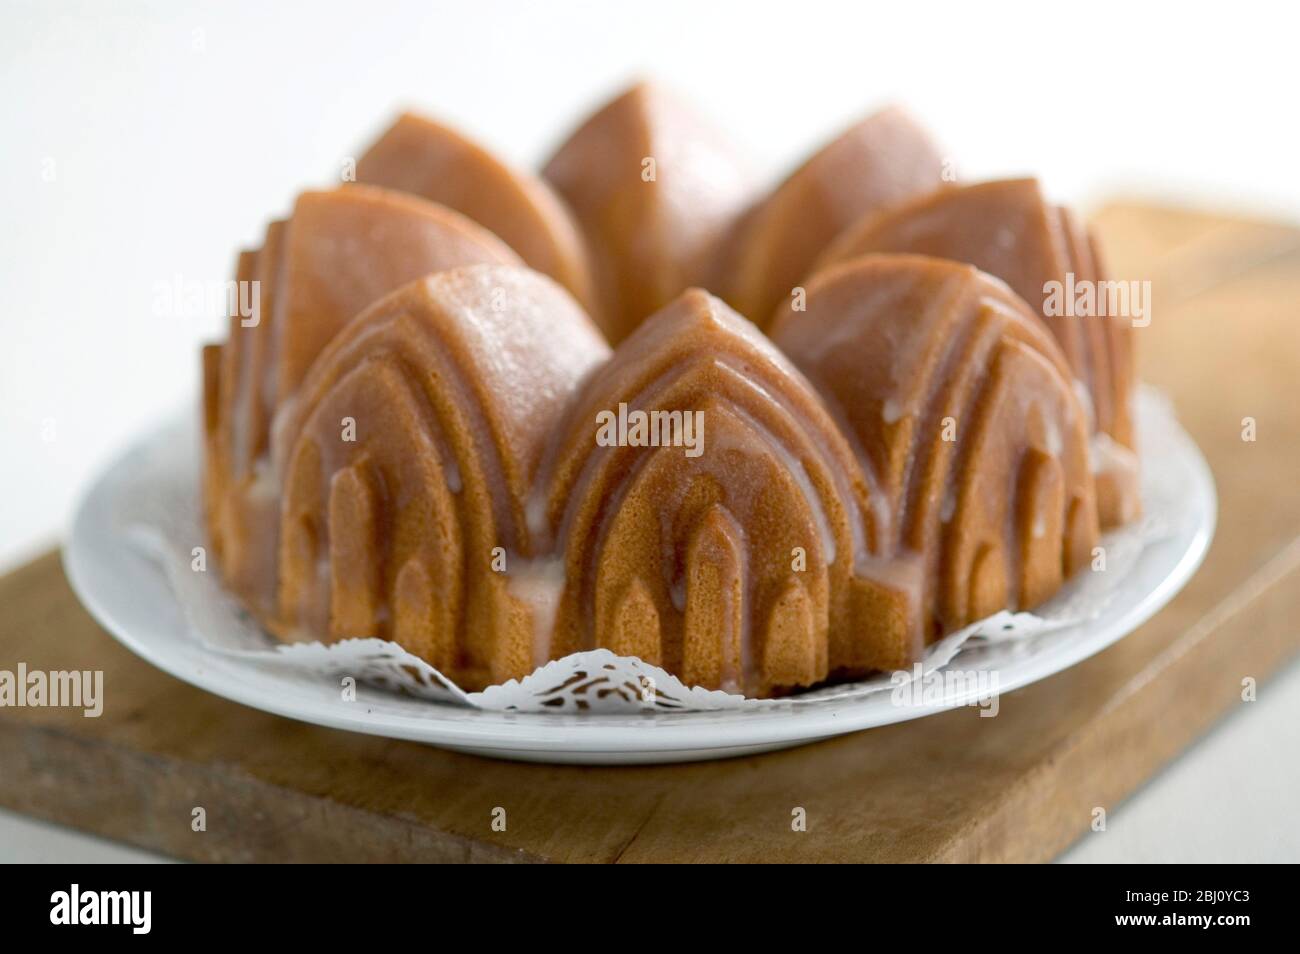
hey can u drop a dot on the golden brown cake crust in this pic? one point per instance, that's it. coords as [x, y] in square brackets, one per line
[962, 410]
[1008, 229]
[337, 253]
[427, 159]
[689, 561]
[655, 189]
[873, 165]
[406, 460]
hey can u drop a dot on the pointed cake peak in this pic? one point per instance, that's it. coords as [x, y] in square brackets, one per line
[877, 162]
[423, 157]
[655, 188]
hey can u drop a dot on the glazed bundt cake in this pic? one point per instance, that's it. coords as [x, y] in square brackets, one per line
[425, 436]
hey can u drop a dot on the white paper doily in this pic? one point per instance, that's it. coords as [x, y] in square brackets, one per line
[129, 559]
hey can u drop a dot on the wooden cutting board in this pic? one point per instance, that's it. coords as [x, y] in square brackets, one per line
[1021, 787]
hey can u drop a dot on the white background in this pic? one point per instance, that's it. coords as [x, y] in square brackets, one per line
[142, 143]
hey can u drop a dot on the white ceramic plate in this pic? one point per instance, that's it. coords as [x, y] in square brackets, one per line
[131, 597]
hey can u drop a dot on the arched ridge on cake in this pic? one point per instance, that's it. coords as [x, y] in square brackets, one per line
[966, 416]
[775, 496]
[466, 366]
[336, 254]
[1009, 229]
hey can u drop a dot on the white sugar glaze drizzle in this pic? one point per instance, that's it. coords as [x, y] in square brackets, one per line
[797, 470]
[1108, 456]
[538, 584]
[1085, 401]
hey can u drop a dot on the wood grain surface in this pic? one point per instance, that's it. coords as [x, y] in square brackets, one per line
[1223, 343]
